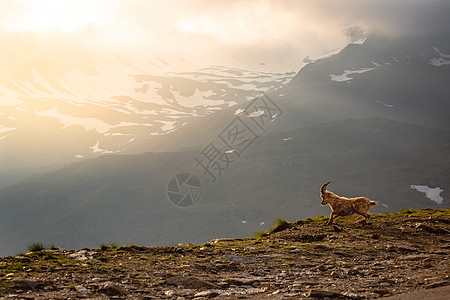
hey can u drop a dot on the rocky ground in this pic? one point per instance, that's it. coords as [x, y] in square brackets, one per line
[394, 254]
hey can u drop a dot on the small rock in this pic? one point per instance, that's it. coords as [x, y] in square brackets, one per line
[27, 284]
[439, 252]
[322, 247]
[437, 284]
[206, 294]
[215, 241]
[407, 249]
[80, 255]
[112, 289]
[376, 236]
[324, 293]
[272, 256]
[81, 289]
[170, 293]
[243, 281]
[415, 257]
[240, 259]
[381, 291]
[190, 282]
[432, 229]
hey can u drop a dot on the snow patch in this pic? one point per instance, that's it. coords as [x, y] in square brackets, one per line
[239, 111]
[68, 120]
[256, 114]
[444, 59]
[167, 125]
[288, 139]
[345, 76]
[431, 193]
[6, 129]
[97, 149]
[198, 98]
[87, 123]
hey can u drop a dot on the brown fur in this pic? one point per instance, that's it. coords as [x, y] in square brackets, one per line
[341, 206]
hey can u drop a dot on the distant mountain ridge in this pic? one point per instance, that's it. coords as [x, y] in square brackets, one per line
[399, 81]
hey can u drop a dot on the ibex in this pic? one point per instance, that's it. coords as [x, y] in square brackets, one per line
[341, 206]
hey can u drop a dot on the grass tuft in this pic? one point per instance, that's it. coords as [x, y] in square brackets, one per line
[280, 226]
[104, 247]
[35, 247]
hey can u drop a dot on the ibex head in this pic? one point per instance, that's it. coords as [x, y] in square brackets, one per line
[323, 189]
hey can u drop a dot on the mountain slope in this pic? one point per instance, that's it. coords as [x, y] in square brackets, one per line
[124, 198]
[395, 254]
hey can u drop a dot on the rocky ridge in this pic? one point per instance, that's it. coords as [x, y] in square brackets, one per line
[394, 254]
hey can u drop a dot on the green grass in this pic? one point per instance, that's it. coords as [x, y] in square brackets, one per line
[35, 247]
[104, 246]
[261, 234]
[280, 225]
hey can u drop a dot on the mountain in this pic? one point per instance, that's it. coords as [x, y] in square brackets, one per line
[372, 119]
[403, 79]
[49, 120]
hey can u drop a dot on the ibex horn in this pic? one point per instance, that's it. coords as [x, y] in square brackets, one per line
[324, 187]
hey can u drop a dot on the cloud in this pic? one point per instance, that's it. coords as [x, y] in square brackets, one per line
[401, 17]
[240, 33]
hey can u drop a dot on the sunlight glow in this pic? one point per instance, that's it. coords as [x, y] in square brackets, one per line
[49, 16]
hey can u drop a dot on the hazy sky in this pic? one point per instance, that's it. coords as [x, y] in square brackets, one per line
[255, 34]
